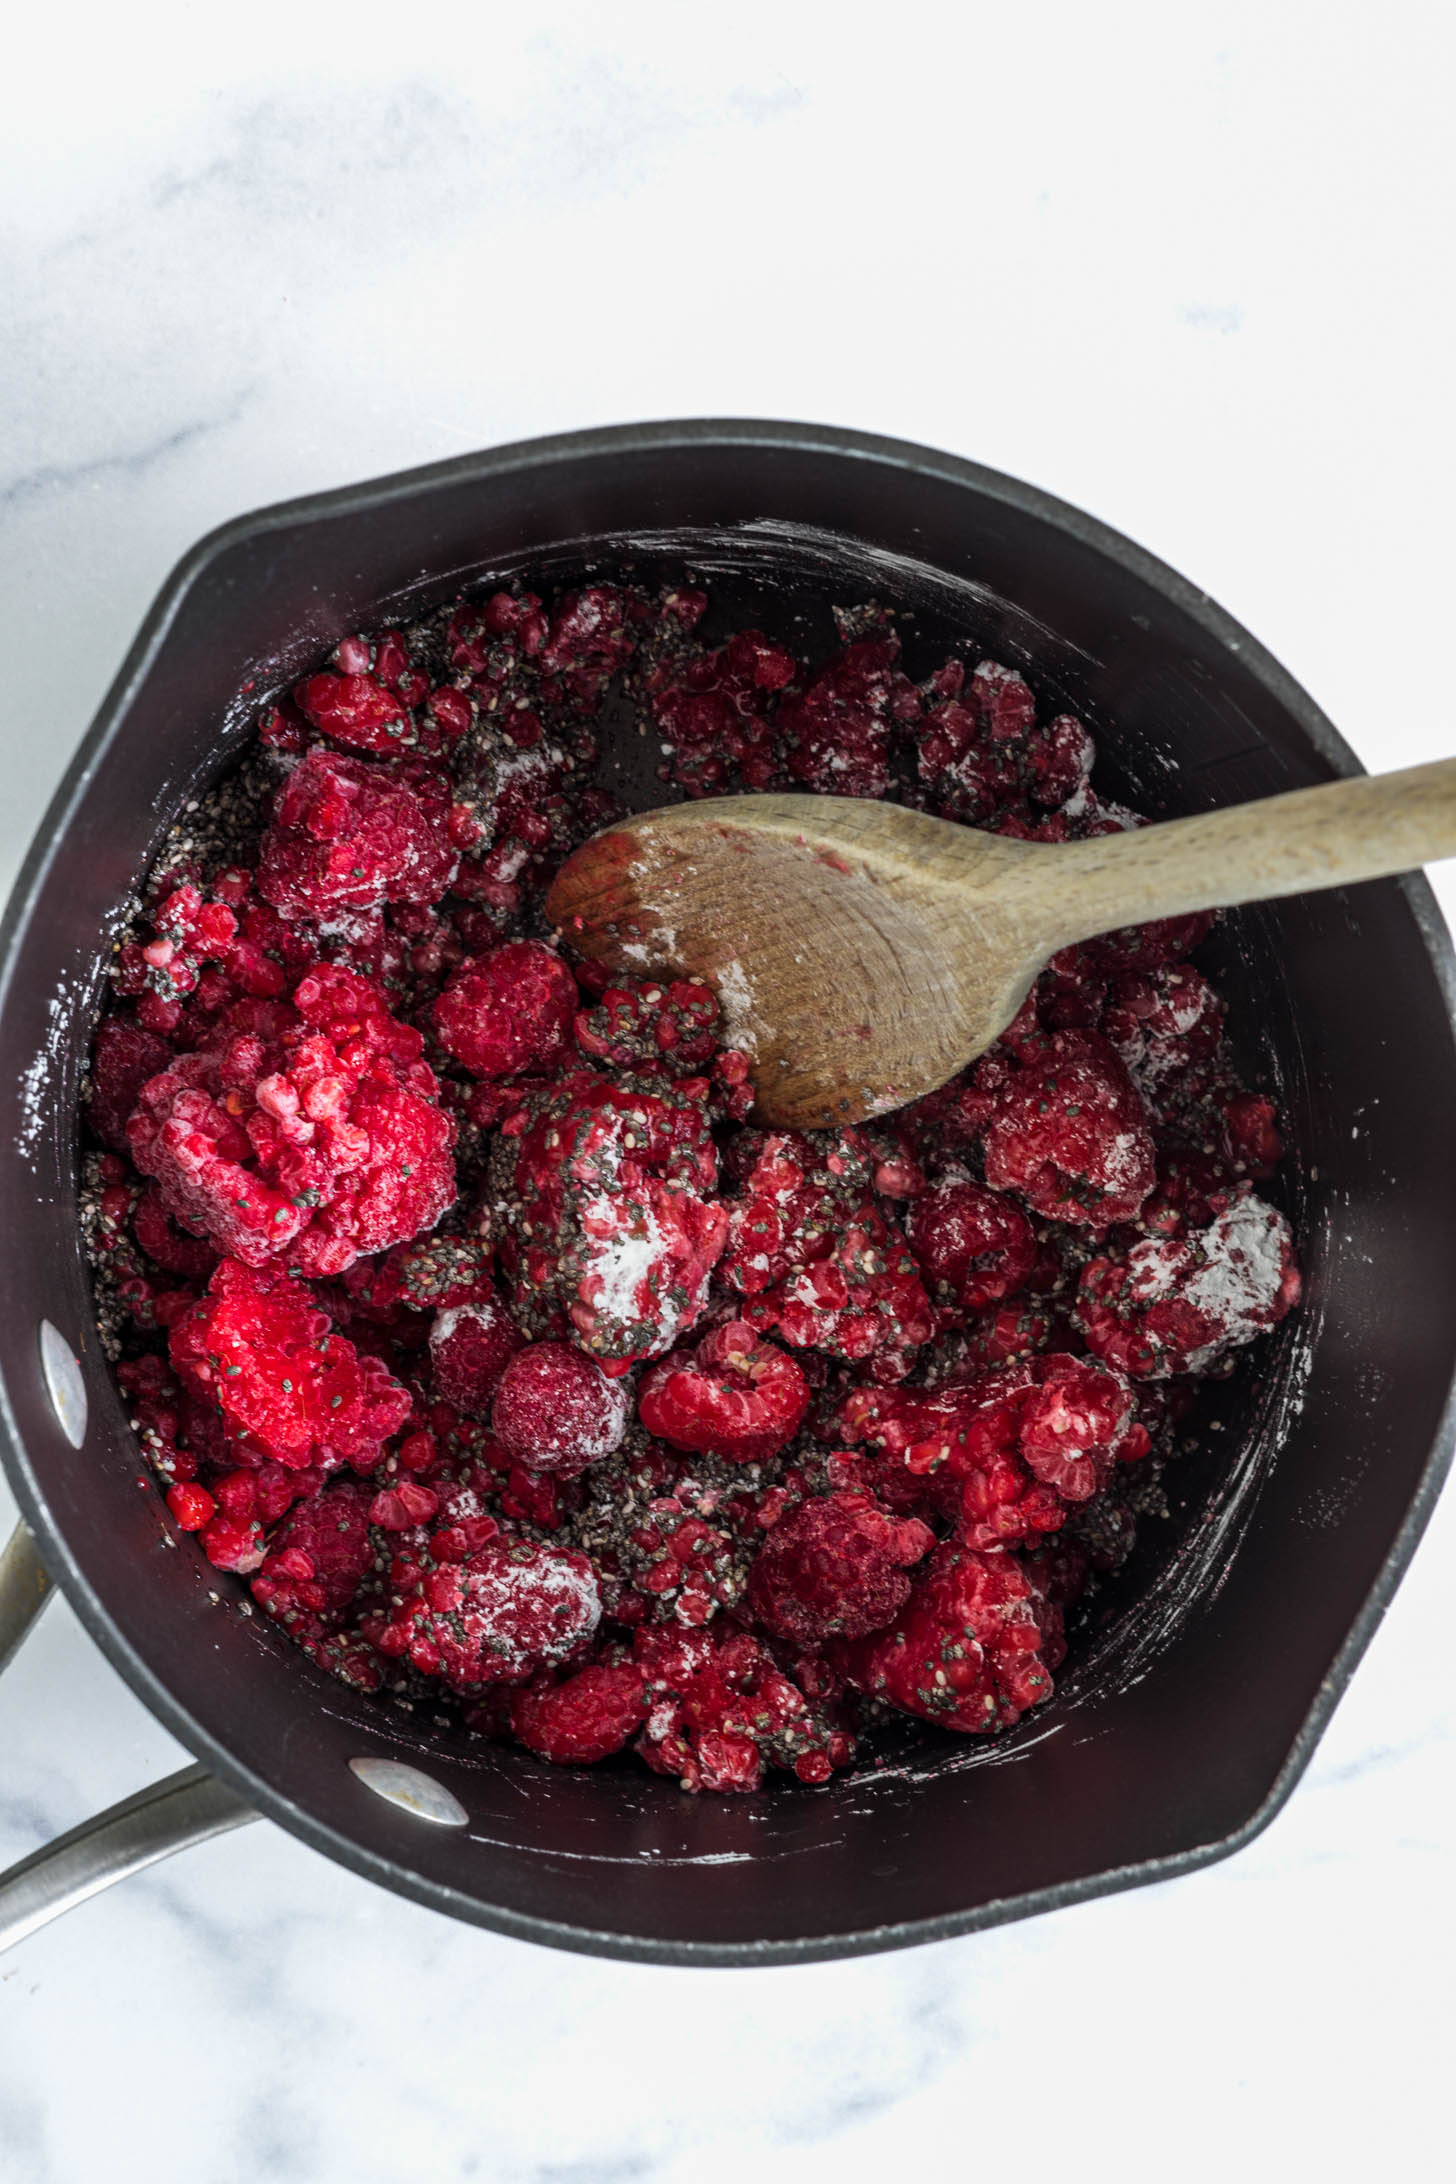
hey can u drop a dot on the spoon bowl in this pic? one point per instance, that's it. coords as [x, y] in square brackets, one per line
[863, 953]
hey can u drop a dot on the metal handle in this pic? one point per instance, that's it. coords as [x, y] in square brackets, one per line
[25, 1587]
[184, 1808]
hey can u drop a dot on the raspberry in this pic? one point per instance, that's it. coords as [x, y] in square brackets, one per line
[1251, 1141]
[355, 710]
[834, 1567]
[951, 1453]
[165, 1244]
[191, 1506]
[837, 734]
[731, 1396]
[286, 1385]
[1182, 1305]
[233, 1543]
[1059, 760]
[509, 1010]
[586, 1717]
[187, 933]
[504, 1613]
[123, 1059]
[589, 639]
[470, 1347]
[315, 1147]
[715, 712]
[767, 1527]
[973, 1246]
[600, 1218]
[319, 1555]
[717, 1711]
[1070, 1135]
[810, 1249]
[1070, 992]
[347, 836]
[966, 1651]
[1163, 1024]
[556, 1410]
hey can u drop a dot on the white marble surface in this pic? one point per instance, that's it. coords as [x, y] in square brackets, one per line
[1187, 267]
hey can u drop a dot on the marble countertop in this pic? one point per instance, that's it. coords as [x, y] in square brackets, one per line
[1178, 267]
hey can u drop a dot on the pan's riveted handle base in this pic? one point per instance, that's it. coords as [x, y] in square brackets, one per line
[184, 1808]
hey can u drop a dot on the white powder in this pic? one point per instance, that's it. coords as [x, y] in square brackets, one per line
[622, 1264]
[445, 1323]
[1231, 1273]
[37, 1105]
[736, 999]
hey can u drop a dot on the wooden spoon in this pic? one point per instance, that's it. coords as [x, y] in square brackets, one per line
[863, 954]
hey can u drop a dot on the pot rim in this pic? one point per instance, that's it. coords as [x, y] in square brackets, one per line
[645, 439]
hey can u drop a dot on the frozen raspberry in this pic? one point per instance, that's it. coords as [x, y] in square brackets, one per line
[233, 1543]
[1005, 1452]
[347, 836]
[315, 1147]
[191, 1506]
[718, 1711]
[1164, 1024]
[586, 1717]
[1070, 992]
[285, 1383]
[1059, 760]
[601, 1219]
[817, 1259]
[1251, 1141]
[962, 773]
[556, 1410]
[165, 1244]
[592, 634]
[715, 711]
[951, 1453]
[123, 1059]
[966, 1650]
[974, 1247]
[1183, 1304]
[507, 1611]
[637, 1021]
[357, 711]
[835, 1566]
[732, 1396]
[319, 1555]
[484, 638]
[1002, 701]
[470, 1347]
[837, 735]
[187, 933]
[509, 1010]
[1072, 1424]
[1192, 1188]
[1070, 1135]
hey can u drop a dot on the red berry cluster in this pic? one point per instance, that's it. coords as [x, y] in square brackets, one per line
[465, 1315]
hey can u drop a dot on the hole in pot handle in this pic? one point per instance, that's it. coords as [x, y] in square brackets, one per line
[182, 1809]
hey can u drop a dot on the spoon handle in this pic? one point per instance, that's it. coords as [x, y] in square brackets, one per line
[1333, 836]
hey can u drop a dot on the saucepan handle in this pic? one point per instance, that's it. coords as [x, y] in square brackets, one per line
[184, 1808]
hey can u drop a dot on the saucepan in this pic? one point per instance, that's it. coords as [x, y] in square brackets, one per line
[1207, 1669]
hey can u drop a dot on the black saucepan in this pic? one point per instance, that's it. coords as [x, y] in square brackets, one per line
[1212, 1665]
